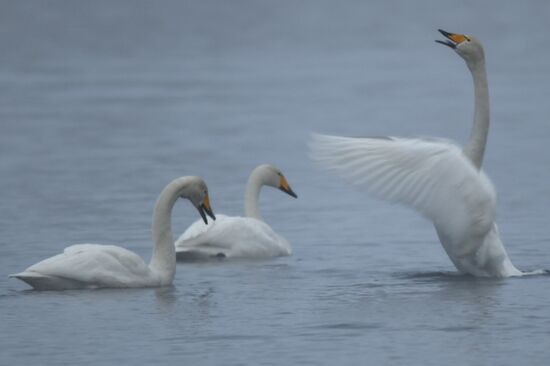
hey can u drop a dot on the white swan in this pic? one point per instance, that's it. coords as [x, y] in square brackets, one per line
[238, 237]
[99, 266]
[434, 177]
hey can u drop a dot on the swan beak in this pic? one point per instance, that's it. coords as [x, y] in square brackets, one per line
[205, 207]
[453, 39]
[283, 186]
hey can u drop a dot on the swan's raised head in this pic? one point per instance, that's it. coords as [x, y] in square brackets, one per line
[196, 191]
[467, 47]
[274, 177]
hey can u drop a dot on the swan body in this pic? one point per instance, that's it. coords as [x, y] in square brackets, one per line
[238, 237]
[435, 177]
[231, 237]
[102, 266]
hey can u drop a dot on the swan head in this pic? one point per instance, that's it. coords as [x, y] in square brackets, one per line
[467, 47]
[274, 177]
[197, 192]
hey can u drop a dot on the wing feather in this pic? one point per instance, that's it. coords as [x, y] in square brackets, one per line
[431, 176]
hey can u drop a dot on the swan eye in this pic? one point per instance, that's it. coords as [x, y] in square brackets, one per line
[467, 38]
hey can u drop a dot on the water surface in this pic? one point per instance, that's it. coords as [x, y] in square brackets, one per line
[102, 103]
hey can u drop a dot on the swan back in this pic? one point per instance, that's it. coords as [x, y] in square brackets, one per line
[231, 237]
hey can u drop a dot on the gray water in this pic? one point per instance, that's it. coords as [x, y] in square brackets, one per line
[102, 103]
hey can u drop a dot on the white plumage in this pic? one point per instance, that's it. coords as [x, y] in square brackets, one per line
[231, 237]
[238, 237]
[100, 266]
[434, 177]
[89, 266]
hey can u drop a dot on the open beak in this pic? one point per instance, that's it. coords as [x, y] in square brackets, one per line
[283, 186]
[204, 208]
[452, 39]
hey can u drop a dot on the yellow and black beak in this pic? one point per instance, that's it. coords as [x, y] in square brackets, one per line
[452, 39]
[205, 207]
[283, 186]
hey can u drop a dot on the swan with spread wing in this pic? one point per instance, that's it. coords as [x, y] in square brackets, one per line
[434, 176]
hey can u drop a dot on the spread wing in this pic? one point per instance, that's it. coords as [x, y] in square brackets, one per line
[431, 176]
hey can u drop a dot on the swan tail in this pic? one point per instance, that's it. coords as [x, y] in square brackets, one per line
[44, 282]
[26, 275]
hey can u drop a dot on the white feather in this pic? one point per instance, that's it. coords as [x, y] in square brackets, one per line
[234, 236]
[231, 237]
[96, 266]
[431, 176]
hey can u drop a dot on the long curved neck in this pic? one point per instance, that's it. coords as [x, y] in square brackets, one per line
[252, 195]
[163, 261]
[475, 149]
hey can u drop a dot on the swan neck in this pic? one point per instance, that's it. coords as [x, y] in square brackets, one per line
[163, 260]
[252, 195]
[475, 149]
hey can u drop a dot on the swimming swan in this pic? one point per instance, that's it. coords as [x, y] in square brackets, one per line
[238, 237]
[435, 177]
[97, 266]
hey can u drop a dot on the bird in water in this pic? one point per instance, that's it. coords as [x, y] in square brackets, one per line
[108, 266]
[434, 176]
[245, 236]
